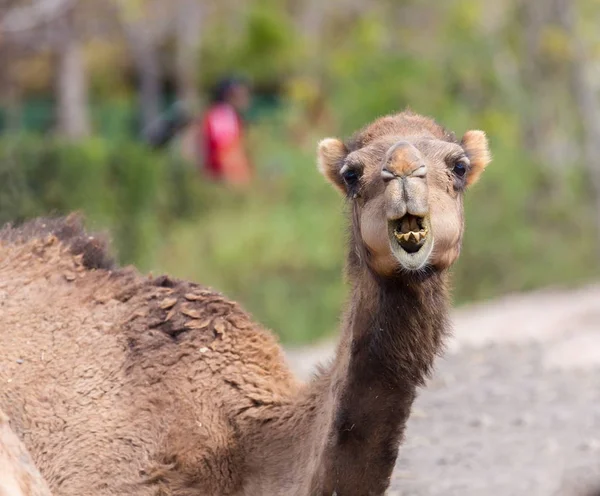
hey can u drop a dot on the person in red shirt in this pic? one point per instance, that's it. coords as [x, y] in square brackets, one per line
[222, 134]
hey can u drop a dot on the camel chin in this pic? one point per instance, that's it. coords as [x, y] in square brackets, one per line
[411, 241]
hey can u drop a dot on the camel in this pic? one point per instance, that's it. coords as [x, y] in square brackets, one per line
[119, 383]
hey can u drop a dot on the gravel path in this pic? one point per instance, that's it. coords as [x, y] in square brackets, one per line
[514, 407]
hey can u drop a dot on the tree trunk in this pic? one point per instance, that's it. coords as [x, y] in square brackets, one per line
[189, 29]
[10, 91]
[588, 105]
[545, 76]
[18, 474]
[72, 84]
[147, 63]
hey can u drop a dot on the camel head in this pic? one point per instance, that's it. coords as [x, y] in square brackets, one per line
[405, 177]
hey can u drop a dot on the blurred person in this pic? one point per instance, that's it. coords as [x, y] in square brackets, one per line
[221, 134]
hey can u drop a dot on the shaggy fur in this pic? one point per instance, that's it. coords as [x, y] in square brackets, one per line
[123, 384]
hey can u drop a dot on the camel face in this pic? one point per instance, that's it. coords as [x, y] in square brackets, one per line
[405, 177]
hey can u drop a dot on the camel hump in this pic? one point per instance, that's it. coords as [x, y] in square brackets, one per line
[93, 248]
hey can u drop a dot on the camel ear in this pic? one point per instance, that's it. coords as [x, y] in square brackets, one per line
[475, 144]
[330, 159]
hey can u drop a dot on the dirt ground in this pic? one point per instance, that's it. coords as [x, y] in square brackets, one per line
[514, 406]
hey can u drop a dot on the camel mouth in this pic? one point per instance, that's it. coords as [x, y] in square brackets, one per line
[410, 232]
[411, 240]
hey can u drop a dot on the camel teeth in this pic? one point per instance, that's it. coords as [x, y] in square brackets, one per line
[400, 236]
[411, 236]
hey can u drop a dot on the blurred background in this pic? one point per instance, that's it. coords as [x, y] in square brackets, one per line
[117, 108]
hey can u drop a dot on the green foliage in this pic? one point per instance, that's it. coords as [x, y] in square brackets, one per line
[118, 186]
[278, 249]
[522, 233]
[265, 48]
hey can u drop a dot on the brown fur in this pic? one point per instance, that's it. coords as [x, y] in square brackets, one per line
[125, 384]
[122, 384]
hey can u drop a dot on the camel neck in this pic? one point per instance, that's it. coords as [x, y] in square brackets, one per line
[340, 434]
[392, 332]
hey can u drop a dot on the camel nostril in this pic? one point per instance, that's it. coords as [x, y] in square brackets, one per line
[420, 172]
[387, 175]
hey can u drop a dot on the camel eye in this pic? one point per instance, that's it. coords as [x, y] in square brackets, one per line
[351, 177]
[460, 168]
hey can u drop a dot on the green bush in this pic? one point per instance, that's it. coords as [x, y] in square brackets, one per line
[117, 186]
